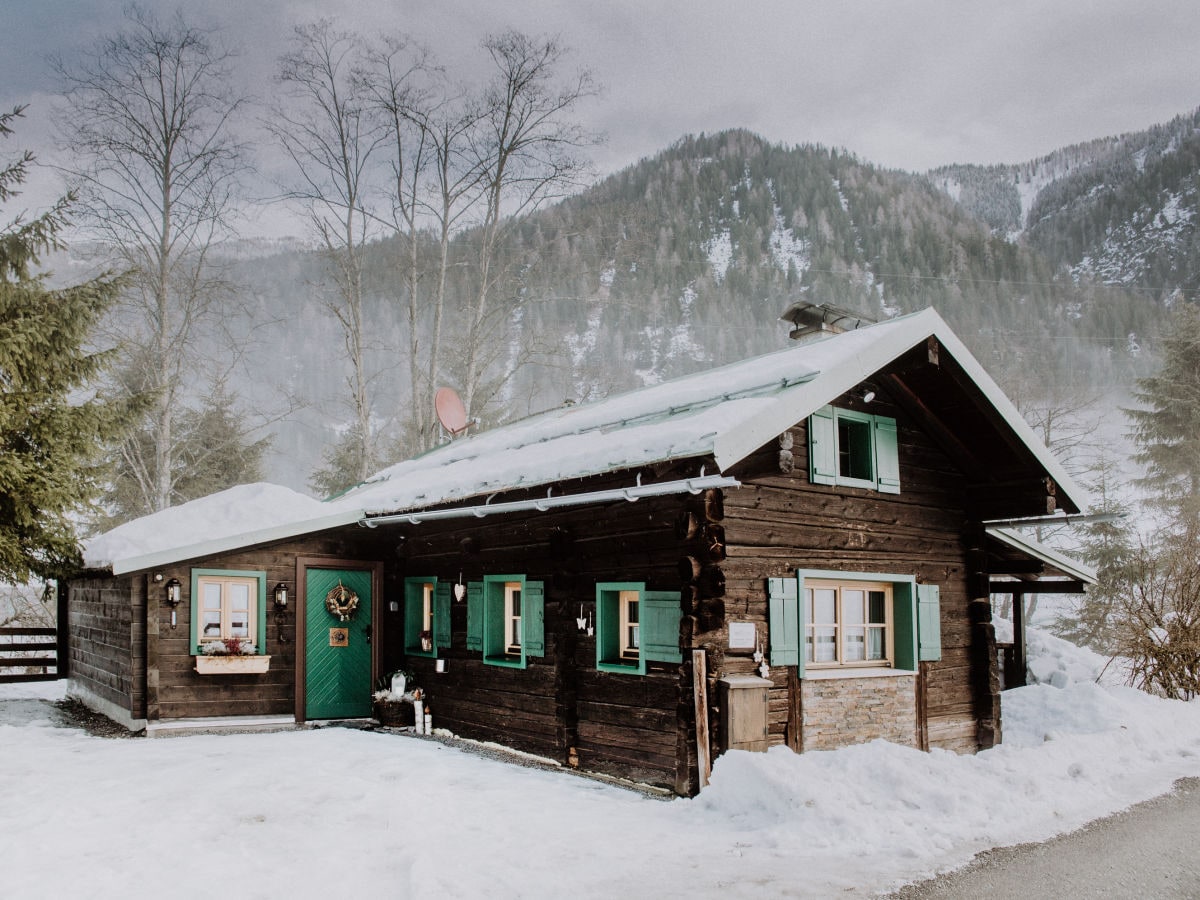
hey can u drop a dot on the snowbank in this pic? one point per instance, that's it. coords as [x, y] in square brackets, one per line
[339, 812]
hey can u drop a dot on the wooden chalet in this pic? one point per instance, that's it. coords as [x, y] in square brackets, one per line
[797, 549]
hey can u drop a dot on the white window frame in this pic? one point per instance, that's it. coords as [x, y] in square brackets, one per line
[841, 628]
[630, 631]
[512, 620]
[427, 607]
[224, 583]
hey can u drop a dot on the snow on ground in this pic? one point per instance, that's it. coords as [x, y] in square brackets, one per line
[337, 812]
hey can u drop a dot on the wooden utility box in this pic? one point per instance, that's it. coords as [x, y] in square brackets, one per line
[744, 701]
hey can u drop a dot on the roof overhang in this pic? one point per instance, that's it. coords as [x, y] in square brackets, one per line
[1054, 559]
[226, 543]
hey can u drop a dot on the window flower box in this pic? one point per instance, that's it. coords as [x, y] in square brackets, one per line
[212, 664]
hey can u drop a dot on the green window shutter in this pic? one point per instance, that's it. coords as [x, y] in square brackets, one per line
[887, 455]
[608, 622]
[929, 622]
[660, 614]
[783, 607]
[822, 447]
[441, 614]
[904, 620]
[412, 615]
[475, 615]
[533, 618]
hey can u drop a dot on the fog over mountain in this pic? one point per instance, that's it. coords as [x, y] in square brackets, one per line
[1056, 273]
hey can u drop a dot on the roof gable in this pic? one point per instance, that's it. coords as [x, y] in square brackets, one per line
[724, 414]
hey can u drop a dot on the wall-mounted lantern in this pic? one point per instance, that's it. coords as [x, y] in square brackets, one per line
[174, 597]
[280, 595]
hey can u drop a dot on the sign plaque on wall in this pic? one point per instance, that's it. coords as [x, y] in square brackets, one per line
[742, 636]
[339, 637]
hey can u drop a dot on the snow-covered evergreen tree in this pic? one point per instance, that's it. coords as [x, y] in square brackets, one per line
[52, 426]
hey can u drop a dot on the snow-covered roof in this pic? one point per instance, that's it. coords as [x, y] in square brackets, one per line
[242, 515]
[722, 414]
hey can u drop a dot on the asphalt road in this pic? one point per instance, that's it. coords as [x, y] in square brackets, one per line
[1151, 850]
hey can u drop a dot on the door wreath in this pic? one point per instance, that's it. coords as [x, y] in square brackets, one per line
[342, 602]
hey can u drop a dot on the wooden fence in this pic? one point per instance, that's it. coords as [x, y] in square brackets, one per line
[25, 650]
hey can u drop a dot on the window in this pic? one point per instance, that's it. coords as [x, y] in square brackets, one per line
[512, 617]
[828, 620]
[228, 604]
[847, 623]
[629, 624]
[426, 615]
[634, 626]
[854, 449]
[506, 619]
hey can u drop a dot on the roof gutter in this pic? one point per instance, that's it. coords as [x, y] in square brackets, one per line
[542, 504]
[1054, 519]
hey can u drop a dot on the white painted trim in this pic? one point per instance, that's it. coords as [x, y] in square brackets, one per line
[843, 672]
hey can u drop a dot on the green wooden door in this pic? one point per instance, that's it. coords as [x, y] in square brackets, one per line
[337, 663]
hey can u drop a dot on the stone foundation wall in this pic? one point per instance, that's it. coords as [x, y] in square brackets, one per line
[842, 711]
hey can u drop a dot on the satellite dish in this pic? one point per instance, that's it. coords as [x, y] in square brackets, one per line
[450, 411]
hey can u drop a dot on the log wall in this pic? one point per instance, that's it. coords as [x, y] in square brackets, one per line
[560, 706]
[105, 640]
[718, 549]
[779, 522]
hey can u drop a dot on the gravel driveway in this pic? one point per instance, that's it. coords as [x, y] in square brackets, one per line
[1151, 850]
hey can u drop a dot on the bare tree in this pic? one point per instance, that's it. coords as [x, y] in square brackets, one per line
[1158, 621]
[527, 150]
[422, 134]
[326, 129]
[148, 117]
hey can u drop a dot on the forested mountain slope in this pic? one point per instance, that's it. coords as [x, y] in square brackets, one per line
[1121, 210]
[688, 258]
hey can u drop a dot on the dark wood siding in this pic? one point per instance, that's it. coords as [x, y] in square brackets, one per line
[779, 522]
[560, 706]
[177, 691]
[105, 634]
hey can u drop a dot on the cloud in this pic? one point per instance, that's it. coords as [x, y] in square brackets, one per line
[905, 84]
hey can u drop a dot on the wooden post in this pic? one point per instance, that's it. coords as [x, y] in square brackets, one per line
[62, 630]
[923, 706]
[1019, 654]
[795, 719]
[700, 697]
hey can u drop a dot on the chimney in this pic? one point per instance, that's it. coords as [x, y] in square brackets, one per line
[811, 320]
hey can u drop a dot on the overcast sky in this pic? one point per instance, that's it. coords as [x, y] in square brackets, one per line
[909, 85]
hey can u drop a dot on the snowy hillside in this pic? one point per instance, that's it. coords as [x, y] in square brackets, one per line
[337, 812]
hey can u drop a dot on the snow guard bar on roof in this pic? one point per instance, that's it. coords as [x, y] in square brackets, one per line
[541, 504]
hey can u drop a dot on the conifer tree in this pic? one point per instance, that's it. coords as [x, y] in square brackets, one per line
[1095, 617]
[51, 423]
[1167, 427]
